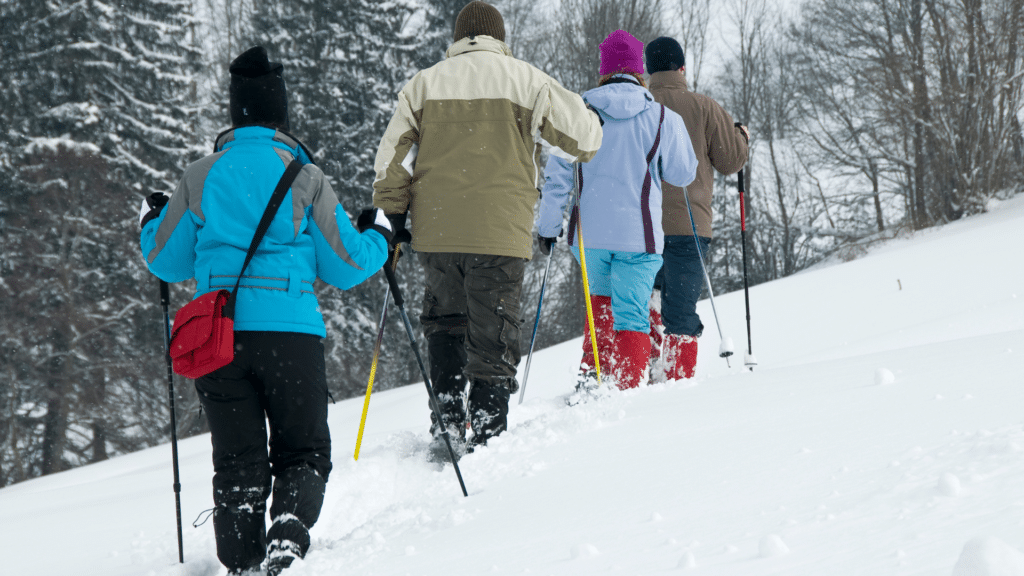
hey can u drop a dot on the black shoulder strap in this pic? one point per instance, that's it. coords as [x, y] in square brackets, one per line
[276, 199]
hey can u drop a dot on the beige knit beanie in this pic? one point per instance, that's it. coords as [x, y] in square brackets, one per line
[477, 19]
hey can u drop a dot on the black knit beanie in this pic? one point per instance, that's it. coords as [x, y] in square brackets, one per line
[664, 54]
[257, 93]
[478, 19]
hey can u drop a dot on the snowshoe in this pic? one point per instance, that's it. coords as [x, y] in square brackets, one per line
[437, 450]
[587, 388]
[277, 563]
[257, 571]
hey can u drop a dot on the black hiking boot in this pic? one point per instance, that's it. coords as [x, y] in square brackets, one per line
[280, 555]
[488, 408]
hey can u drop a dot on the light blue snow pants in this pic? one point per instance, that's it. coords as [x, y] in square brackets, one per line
[628, 277]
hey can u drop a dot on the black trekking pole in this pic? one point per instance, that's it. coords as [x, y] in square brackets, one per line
[165, 301]
[536, 323]
[389, 272]
[748, 359]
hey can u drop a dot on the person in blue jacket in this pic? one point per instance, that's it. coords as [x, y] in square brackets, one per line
[619, 208]
[203, 231]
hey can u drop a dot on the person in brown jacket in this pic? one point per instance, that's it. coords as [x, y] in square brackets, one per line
[460, 157]
[719, 145]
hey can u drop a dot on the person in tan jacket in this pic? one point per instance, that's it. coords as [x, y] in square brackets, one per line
[719, 145]
[460, 159]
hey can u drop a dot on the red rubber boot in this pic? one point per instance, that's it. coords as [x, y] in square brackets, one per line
[604, 324]
[679, 356]
[632, 357]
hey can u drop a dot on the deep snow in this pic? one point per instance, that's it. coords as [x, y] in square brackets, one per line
[882, 433]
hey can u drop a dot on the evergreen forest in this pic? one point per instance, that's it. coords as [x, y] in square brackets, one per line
[869, 119]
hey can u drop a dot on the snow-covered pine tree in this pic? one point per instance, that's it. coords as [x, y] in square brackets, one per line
[345, 61]
[440, 24]
[94, 109]
[149, 93]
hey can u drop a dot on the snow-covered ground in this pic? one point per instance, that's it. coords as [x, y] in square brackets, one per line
[882, 433]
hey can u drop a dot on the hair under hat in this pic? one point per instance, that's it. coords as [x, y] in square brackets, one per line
[479, 19]
[621, 52]
[257, 95]
[664, 54]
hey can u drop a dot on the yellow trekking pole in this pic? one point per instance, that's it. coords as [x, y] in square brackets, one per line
[576, 177]
[376, 356]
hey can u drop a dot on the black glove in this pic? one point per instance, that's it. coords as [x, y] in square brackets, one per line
[594, 110]
[374, 219]
[544, 243]
[151, 207]
[402, 234]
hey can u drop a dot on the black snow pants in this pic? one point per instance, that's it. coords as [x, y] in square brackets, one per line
[277, 377]
[472, 322]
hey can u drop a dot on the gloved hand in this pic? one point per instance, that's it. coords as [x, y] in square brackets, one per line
[152, 205]
[743, 129]
[544, 243]
[374, 219]
[402, 234]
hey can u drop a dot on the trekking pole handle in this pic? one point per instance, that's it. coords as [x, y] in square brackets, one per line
[389, 273]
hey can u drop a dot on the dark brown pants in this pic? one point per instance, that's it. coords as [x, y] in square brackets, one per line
[472, 322]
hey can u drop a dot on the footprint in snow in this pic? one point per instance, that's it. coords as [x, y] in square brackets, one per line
[581, 551]
[687, 562]
[949, 485]
[772, 546]
[884, 377]
[983, 556]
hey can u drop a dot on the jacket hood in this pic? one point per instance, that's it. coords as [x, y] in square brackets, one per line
[619, 101]
[476, 44]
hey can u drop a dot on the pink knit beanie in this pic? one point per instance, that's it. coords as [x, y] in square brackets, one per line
[621, 52]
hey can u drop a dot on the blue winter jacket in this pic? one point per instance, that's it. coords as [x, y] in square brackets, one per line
[620, 202]
[206, 228]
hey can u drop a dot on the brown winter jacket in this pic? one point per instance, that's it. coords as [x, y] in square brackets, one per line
[718, 144]
[461, 151]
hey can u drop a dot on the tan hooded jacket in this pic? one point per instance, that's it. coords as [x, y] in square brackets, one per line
[718, 144]
[462, 150]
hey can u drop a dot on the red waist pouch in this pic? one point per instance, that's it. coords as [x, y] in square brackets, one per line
[203, 339]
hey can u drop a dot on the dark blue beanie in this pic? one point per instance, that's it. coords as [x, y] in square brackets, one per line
[664, 54]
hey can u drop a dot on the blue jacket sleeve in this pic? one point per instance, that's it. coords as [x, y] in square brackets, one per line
[557, 193]
[168, 241]
[344, 256]
[678, 162]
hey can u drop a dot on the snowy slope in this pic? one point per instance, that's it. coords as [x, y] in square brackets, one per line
[882, 433]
